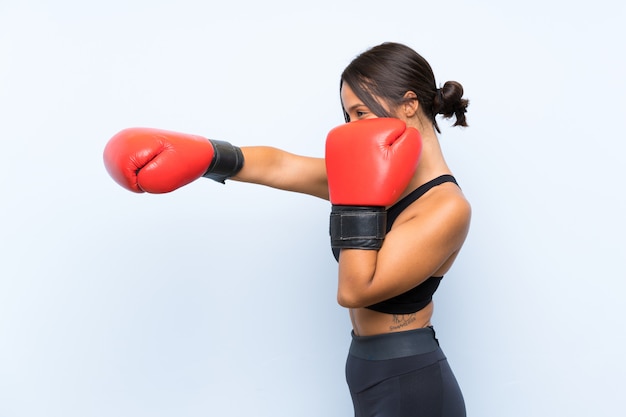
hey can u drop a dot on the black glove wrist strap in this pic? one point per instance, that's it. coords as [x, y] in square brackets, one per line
[227, 161]
[357, 227]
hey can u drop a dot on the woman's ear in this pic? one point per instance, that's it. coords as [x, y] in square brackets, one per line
[410, 105]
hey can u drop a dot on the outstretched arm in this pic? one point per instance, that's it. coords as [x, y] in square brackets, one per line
[276, 168]
[159, 161]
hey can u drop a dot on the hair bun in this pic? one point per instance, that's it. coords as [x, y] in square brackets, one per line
[449, 102]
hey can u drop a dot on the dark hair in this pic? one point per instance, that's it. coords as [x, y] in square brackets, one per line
[389, 70]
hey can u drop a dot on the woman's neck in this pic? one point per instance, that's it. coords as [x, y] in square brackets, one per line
[432, 163]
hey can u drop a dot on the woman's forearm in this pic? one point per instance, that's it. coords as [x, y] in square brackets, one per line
[279, 169]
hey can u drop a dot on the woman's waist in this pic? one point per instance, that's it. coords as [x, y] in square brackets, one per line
[367, 322]
[395, 345]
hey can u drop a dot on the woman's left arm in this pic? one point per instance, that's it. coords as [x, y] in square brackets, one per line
[411, 252]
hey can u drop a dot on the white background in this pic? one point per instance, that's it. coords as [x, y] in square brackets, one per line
[220, 300]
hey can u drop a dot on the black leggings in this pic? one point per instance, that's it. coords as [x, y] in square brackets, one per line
[403, 374]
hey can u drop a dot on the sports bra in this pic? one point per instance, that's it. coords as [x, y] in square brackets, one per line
[418, 297]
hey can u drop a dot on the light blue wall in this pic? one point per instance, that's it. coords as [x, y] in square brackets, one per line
[220, 300]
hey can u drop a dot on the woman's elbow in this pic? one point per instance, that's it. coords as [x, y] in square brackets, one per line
[350, 299]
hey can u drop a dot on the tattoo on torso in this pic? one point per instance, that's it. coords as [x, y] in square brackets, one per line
[402, 320]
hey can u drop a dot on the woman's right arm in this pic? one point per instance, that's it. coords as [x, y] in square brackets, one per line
[279, 169]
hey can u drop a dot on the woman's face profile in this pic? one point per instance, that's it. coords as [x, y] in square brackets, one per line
[355, 109]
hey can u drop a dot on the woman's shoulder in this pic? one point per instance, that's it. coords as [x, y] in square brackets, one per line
[446, 200]
[444, 204]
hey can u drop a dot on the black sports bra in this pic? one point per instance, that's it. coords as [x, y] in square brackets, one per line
[418, 297]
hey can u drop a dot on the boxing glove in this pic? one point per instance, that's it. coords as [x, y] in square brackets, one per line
[369, 164]
[160, 161]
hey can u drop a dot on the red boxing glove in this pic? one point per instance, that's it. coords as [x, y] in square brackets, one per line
[159, 161]
[369, 164]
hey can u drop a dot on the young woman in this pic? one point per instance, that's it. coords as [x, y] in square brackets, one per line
[397, 223]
